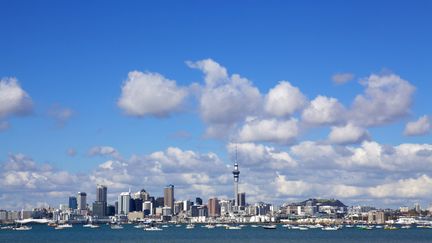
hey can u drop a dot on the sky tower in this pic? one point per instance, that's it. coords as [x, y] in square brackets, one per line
[236, 174]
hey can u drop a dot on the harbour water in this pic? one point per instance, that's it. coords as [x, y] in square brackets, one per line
[43, 233]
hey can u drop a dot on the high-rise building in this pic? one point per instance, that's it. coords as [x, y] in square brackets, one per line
[82, 201]
[100, 205]
[241, 199]
[169, 196]
[123, 203]
[159, 202]
[73, 202]
[142, 195]
[214, 207]
[198, 201]
[147, 208]
[101, 193]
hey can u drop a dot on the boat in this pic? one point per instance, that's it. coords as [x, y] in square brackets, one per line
[178, 225]
[390, 227]
[233, 227]
[139, 226]
[330, 228]
[190, 226]
[272, 226]
[22, 227]
[209, 226]
[63, 226]
[303, 228]
[116, 226]
[165, 226]
[254, 226]
[9, 227]
[406, 227]
[52, 224]
[153, 228]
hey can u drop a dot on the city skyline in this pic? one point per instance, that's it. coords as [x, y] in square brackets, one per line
[317, 100]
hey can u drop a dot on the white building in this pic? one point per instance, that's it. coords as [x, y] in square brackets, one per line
[124, 203]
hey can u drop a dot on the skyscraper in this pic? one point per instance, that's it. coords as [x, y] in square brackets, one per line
[101, 193]
[198, 201]
[241, 198]
[169, 196]
[124, 203]
[213, 207]
[82, 201]
[100, 205]
[73, 202]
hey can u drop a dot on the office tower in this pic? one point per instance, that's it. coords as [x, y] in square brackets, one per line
[100, 205]
[169, 196]
[124, 203]
[236, 174]
[73, 202]
[82, 201]
[159, 202]
[241, 199]
[147, 208]
[101, 193]
[111, 210]
[198, 201]
[213, 207]
[142, 195]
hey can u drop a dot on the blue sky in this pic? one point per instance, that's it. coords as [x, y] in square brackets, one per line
[75, 56]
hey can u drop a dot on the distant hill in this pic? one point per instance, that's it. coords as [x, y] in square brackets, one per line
[319, 202]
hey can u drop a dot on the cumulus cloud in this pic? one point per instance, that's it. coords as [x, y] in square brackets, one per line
[409, 188]
[13, 99]
[60, 114]
[347, 134]
[270, 130]
[284, 99]
[420, 127]
[386, 99]
[225, 100]
[341, 78]
[369, 171]
[258, 155]
[150, 94]
[36, 182]
[324, 111]
[104, 151]
[213, 71]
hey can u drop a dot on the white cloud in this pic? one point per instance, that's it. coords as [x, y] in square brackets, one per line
[324, 111]
[284, 99]
[224, 101]
[420, 127]
[13, 99]
[347, 134]
[341, 78]
[386, 99]
[150, 94]
[271, 130]
[407, 188]
[104, 151]
[258, 155]
[214, 72]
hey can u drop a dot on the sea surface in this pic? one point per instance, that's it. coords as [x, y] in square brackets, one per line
[43, 233]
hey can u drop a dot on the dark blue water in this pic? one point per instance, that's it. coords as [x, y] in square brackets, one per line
[43, 233]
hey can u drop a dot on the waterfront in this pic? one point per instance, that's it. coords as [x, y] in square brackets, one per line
[43, 233]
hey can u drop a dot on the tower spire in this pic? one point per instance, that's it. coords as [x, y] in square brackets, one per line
[236, 173]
